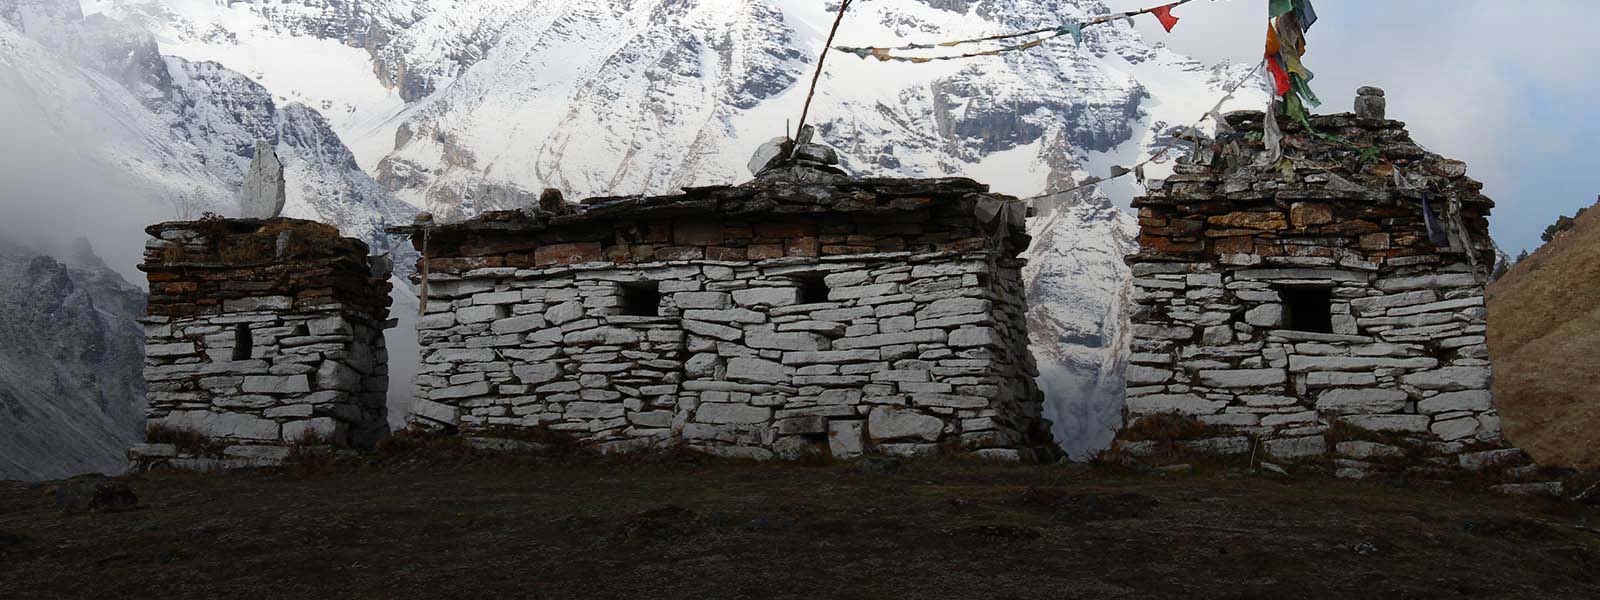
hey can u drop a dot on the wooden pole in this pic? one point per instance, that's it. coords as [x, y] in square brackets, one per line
[826, 47]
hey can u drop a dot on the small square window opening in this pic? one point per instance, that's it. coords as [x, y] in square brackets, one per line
[641, 299]
[1308, 308]
[813, 289]
[242, 342]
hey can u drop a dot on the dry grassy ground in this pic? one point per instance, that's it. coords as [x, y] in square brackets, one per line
[1544, 337]
[672, 527]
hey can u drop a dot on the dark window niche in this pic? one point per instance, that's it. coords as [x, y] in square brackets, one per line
[242, 341]
[641, 299]
[1308, 308]
[813, 288]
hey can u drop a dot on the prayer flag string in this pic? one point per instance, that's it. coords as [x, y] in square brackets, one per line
[1161, 153]
[887, 53]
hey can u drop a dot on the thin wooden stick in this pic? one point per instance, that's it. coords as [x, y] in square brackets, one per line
[843, 6]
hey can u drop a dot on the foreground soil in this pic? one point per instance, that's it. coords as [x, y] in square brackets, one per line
[672, 527]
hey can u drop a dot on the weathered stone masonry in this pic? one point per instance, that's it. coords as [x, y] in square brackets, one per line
[804, 312]
[1281, 301]
[261, 334]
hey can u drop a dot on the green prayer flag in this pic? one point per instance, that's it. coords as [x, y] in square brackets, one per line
[1299, 87]
[1073, 28]
[1278, 8]
[1293, 107]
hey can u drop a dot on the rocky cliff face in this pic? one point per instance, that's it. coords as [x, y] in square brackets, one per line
[1078, 291]
[71, 389]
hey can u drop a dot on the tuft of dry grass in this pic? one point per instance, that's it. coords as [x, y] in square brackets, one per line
[187, 441]
[1171, 427]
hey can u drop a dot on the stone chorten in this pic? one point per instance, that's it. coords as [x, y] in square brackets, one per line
[1332, 303]
[260, 335]
[802, 313]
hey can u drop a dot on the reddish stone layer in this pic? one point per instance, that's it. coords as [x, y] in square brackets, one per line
[206, 266]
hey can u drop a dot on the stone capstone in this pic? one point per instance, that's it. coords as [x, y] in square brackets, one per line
[264, 191]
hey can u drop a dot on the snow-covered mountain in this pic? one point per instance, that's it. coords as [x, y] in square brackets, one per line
[457, 106]
[185, 129]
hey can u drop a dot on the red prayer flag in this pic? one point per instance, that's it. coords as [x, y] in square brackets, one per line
[1280, 75]
[1168, 20]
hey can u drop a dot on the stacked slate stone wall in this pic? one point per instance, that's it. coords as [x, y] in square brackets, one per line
[838, 317]
[1227, 247]
[260, 335]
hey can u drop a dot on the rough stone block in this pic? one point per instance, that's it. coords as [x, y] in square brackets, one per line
[757, 370]
[1335, 379]
[732, 414]
[537, 373]
[1184, 404]
[921, 336]
[1141, 375]
[807, 424]
[169, 350]
[893, 422]
[713, 330]
[794, 342]
[276, 384]
[222, 425]
[1362, 401]
[1266, 315]
[1456, 429]
[1394, 423]
[1369, 450]
[767, 296]
[1299, 447]
[520, 324]
[1244, 378]
[1450, 379]
[469, 390]
[1474, 400]
[481, 314]
[335, 375]
[732, 315]
[320, 430]
[268, 303]
[564, 313]
[968, 337]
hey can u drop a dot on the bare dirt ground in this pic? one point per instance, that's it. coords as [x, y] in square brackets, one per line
[677, 527]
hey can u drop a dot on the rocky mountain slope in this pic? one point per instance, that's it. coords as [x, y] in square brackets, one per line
[1544, 330]
[71, 386]
[104, 135]
[459, 107]
[192, 125]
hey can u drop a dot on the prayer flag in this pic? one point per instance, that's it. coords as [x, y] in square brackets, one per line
[1073, 28]
[1280, 77]
[1307, 15]
[1165, 15]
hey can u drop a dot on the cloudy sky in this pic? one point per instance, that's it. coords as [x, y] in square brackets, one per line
[1502, 85]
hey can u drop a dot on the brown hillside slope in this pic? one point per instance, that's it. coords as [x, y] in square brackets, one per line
[1544, 338]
